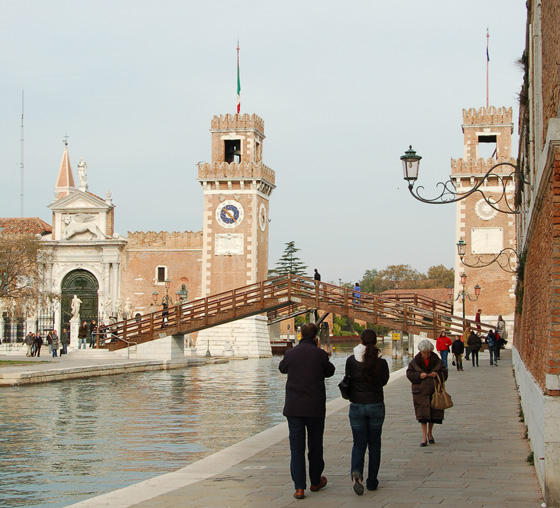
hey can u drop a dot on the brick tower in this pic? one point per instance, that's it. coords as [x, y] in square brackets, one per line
[487, 131]
[237, 187]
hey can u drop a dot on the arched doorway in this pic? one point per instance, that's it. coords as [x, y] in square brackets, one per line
[83, 284]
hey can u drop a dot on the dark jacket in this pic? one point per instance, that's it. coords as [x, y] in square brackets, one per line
[362, 391]
[474, 342]
[422, 389]
[307, 367]
[82, 331]
[458, 347]
[65, 338]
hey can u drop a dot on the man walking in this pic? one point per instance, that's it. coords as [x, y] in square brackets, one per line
[307, 367]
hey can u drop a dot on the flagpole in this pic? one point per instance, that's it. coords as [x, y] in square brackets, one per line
[238, 82]
[487, 68]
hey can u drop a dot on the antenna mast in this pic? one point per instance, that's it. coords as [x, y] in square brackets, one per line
[21, 161]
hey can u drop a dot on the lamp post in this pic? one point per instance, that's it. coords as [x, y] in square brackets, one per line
[463, 294]
[448, 192]
[503, 258]
[165, 300]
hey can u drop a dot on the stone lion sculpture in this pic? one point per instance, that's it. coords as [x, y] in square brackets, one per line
[81, 223]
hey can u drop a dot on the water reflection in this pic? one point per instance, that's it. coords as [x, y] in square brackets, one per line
[63, 442]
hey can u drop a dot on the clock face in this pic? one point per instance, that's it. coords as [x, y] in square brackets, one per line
[229, 214]
[262, 217]
[484, 210]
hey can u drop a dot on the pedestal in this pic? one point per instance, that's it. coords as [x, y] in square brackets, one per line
[245, 337]
[74, 328]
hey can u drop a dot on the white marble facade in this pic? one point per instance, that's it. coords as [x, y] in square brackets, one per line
[83, 239]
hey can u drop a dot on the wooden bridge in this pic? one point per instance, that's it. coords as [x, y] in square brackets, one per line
[281, 298]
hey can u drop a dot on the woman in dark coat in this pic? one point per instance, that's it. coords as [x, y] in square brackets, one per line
[475, 344]
[422, 370]
[368, 375]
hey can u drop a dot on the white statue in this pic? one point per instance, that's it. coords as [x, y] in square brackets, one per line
[127, 309]
[82, 172]
[108, 304]
[81, 223]
[75, 307]
[120, 309]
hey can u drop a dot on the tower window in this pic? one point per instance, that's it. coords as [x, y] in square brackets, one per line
[232, 150]
[488, 146]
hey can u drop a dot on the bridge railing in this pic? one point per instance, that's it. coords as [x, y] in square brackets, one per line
[289, 290]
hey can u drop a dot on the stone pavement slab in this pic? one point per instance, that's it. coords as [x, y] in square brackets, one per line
[478, 461]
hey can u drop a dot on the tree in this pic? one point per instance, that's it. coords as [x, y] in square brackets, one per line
[23, 270]
[289, 263]
[440, 277]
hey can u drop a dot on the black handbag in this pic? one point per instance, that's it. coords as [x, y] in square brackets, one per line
[344, 387]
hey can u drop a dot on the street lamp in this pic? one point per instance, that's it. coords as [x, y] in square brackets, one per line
[449, 194]
[463, 294]
[165, 300]
[503, 258]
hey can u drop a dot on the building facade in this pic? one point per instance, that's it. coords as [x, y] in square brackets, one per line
[486, 231]
[536, 352]
[118, 277]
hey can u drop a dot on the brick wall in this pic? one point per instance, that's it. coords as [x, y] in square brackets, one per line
[550, 51]
[537, 335]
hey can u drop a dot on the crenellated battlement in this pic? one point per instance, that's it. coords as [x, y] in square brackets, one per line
[491, 115]
[473, 166]
[225, 170]
[237, 122]
[165, 239]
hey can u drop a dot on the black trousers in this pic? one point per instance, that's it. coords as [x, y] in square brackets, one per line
[315, 428]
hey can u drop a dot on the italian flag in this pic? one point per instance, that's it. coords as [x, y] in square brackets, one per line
[238, 82]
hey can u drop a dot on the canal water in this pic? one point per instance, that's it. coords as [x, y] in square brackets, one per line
[64, 442]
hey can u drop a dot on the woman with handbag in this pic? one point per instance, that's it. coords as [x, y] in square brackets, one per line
[421, 372]
[368, 374]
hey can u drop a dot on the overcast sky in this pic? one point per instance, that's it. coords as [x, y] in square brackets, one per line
[343, 88]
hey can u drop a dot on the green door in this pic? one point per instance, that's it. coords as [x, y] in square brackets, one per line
[83, 284]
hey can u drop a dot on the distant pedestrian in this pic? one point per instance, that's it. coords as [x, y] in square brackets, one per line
[29, 339]
[368, 373]
[493, 347]
[317, 275]
[443, 343]
[55, 345]
[82, 335]
[457, 348]
[356, 294]
[165, 314]
[64, 341]
[307, 366]
[38, 343]
[477, 319]
[92, 333]
[55, 334]
[475, 344]
[466, 335]
[421, 371]
[49, 341]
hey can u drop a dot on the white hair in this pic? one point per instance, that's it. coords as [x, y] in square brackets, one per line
[425, 345]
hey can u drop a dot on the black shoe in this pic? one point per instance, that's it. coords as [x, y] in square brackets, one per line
[423, 444]
[432, 441]
[358, 487]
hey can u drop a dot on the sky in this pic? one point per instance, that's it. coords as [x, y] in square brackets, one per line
[343, 88]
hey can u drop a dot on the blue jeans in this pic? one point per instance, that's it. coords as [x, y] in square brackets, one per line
[444, 354]
[494, 354]
[315, 428]
[366, 421]
[80, 342]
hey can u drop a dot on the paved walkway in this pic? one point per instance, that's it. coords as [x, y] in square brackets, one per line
[479, 459]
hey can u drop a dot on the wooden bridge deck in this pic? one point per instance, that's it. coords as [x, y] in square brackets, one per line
[280, 297]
